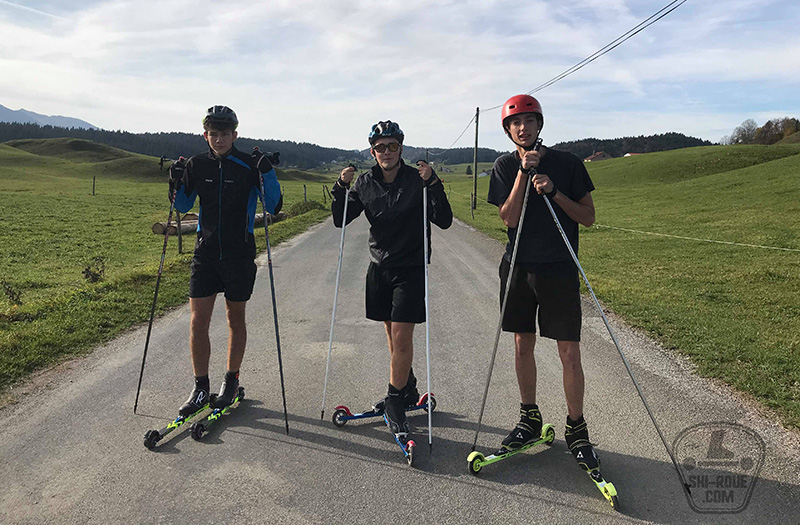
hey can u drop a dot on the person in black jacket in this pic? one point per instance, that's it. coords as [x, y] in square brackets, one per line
[544, 278]
[228, 183]
[390, 195]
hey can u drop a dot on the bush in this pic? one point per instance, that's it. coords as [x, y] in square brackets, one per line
[299, 208]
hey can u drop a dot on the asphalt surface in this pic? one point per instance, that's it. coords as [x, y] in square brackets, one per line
[72, 449]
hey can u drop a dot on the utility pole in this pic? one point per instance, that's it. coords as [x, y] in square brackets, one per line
[475, 163]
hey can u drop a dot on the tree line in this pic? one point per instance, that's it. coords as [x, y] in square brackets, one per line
[300, 154]
[749, 132]
[620, 146]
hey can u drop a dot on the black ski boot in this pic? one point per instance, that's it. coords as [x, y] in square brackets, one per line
[577, 436]
[228, 390]
[528, 430]
[410, 394]
[197, 399]
[395, 414]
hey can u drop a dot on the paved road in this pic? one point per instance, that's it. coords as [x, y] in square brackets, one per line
[72, 450]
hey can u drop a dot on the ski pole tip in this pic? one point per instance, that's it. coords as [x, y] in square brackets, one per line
[322, 416]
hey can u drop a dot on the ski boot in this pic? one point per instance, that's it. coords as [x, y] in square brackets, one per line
[577, 436]
[228, 391]
[198, 399]
[410, 394]
[527, 431]
[394, 415]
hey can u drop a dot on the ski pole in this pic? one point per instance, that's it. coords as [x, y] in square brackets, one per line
[616, 343]
[274, 302]
[335, 299]
[505, 297]
[427, 315]
[155, 295]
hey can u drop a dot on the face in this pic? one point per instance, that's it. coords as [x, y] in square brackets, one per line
[388, 159]
[220, 142]
[524, 128]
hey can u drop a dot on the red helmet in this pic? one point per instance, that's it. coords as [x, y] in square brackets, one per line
[521, 104]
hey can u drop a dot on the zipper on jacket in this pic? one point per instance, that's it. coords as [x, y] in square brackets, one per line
[219, 214]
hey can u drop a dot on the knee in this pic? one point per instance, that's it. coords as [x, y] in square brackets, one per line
[524, 344]
[236, 322]
[570, 353]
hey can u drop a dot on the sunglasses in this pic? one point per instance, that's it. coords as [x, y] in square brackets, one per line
[381, 148]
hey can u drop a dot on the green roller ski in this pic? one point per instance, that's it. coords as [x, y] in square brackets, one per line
[606, 488]
[477, 460]
[152, 437]
[200, 428]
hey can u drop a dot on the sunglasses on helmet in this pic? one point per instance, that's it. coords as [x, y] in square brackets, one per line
[381, 148]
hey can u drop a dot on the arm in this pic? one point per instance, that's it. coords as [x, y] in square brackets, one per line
[272, 191]
[581, 212]
[511, 209]
[439, 210]
[354, 205]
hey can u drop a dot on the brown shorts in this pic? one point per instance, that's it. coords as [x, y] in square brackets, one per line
[553, 289]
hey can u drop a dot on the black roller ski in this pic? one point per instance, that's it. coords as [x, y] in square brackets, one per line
[477, 461]
[200, 428]
[342, 414]
[152, 437]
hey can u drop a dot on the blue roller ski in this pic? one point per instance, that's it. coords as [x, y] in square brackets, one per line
[342, 414]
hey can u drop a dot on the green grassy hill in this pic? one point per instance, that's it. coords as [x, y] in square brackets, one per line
[794, 138]
[54, 229]
[735, 310]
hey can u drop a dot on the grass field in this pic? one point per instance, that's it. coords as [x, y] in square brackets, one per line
[54, 229]
[735, 310]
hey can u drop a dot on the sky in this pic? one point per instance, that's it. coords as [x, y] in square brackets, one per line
[324, 72]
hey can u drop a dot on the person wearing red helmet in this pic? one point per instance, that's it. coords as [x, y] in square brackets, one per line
[390, 195]
[545, 279]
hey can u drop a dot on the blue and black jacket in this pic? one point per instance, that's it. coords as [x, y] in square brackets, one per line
[229, 190]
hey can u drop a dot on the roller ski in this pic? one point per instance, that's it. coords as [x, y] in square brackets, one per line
[230, 395]
[342, 414]
[528, 433]
[394, 416]
[577, 437]
[199, 401]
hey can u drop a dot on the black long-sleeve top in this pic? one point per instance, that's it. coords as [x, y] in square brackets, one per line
[394, 212]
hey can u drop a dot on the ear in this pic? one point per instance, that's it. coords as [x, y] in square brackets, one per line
[235, 135]
[205, 135]
[372, 152]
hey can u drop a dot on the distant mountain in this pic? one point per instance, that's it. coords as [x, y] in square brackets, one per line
[24, 116]
[620, 146]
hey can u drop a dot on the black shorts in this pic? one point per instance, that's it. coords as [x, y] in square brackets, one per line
[396, 294]
[554, 289]
[235, 277]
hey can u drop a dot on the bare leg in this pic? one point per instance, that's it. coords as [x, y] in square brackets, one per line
[525, 364]
[570, 354]
[237, 333]
[401, 346]
[199, 343]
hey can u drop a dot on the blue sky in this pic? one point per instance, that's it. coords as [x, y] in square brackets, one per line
[324, 72]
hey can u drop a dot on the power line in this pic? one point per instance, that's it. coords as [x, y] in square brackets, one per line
[652, 19]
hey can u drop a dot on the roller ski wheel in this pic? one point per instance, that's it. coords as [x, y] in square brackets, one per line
[476, 460]
[408, 450]
[198, 430]
[151, 439]
[426, 402]
[340, 416]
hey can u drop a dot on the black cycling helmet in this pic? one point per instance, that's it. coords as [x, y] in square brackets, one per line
[222, 115]
[386, 129]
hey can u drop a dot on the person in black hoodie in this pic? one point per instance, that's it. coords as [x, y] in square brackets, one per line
[228, 183]
[390, 195]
